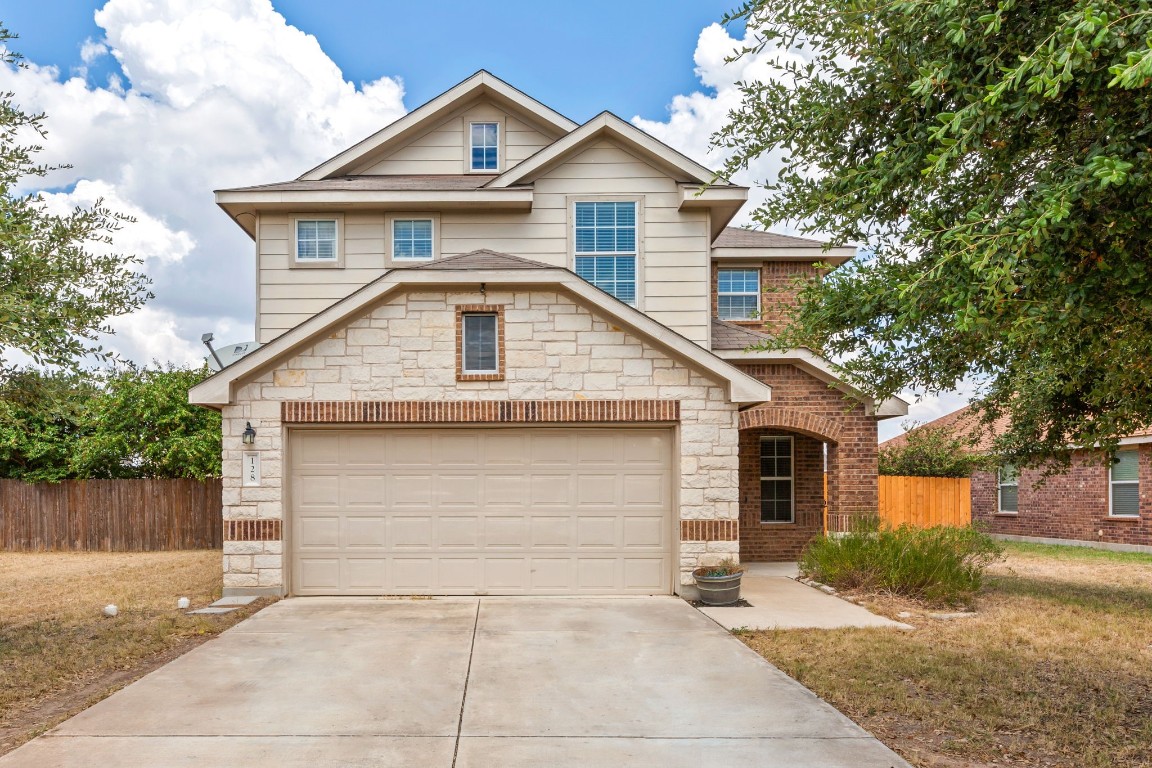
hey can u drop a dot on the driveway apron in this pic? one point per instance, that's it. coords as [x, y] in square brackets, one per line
[465, 682]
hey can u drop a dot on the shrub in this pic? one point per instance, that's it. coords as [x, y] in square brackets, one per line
[942, 565]
[933, 452]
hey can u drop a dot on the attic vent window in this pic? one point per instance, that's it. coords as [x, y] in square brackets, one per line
[485, 139]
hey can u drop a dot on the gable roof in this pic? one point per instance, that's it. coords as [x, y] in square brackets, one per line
[727, 335]
[608, 125]
[482, 83]
[506, 271]
[483, 258]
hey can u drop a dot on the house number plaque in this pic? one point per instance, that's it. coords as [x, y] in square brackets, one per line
[251, 469]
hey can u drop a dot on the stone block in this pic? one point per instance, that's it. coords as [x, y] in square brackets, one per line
[261, 562]
[243, 548]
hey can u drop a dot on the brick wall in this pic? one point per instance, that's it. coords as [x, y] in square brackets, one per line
[852, 490]
[780, 541]
[1072, 505]
[778, 291]
[405, 350]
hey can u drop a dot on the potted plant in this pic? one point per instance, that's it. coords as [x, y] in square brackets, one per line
[719, 584]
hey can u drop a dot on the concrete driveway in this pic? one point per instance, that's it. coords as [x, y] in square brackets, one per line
[468, 683]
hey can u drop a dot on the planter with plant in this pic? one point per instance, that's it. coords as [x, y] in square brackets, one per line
[719, 584]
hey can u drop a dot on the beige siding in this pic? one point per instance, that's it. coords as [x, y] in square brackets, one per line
[674, 260]
[443, 148]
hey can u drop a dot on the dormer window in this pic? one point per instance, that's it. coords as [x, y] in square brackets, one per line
[485, 146]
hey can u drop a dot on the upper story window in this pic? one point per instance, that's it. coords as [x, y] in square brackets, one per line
[605, 246]
[738, 294]
[412, 239]
[1008, 490]
[485, 146]
[776, 480]
[1124, 485]
[316, 240]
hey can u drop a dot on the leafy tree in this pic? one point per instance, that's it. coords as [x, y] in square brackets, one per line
[58, 283]
[995, 158]
[933, 452]
[141, 425]
[41, 421]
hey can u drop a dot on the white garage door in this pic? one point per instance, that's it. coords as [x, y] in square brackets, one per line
[481, 511]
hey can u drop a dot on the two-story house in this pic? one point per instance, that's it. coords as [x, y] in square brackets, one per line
[503, 353]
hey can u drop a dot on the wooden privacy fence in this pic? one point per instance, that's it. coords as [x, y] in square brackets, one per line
[110, 515]
[925, 501]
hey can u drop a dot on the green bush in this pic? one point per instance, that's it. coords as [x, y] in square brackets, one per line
[941, 566]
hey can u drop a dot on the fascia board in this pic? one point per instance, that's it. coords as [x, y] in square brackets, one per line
[520, 196]
[836, 256]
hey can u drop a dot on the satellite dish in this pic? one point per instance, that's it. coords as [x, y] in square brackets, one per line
[230, 353]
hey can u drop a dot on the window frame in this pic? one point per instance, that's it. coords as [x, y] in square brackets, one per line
[390, 234]
[471, 147]
[295, 262]
[759, 293]
[1001, 484]
[790, 478]
[637, 253]
[466, 310]
[1112, 483]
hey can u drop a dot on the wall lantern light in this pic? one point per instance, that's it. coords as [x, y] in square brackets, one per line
[249, 436]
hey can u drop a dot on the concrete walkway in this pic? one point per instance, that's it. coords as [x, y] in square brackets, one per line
[467, 683]
[780, 602]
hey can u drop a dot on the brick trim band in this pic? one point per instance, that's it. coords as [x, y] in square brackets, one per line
[252, 530]
[709, 530]
[477, 412]
[797, 421]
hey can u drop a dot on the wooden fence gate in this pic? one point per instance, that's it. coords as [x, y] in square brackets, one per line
[925, 501]
[111, 515]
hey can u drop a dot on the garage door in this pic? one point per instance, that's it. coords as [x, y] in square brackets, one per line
[481, 511]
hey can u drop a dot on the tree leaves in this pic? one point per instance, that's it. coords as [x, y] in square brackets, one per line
[995, 160]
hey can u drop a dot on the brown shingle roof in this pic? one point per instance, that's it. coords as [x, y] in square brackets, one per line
[735, 237]
[422, 182]
[483, 259]
[961, 422]
[731, 336]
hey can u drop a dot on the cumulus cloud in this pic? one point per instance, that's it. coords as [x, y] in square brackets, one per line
[215, 93]
[693, 118]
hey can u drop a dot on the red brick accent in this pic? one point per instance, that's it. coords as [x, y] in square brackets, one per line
[709, 530]
[477, 411]
[778, 292]
[851, 456]
[792, 419]
[491, 309]
[252, 530]
[1072, 505]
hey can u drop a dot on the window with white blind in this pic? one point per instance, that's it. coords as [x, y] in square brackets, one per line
[776, 497]
[1008, 495]
[412, 239]
[605, 247]
[738, 294]
[316, 240]
[1124, 485]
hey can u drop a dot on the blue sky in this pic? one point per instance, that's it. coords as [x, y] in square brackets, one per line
[627, 56]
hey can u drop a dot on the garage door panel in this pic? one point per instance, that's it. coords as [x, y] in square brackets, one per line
[481, 511]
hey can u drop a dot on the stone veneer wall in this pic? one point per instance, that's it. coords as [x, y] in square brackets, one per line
[852, 485]
[405, 349]
[1072, 505]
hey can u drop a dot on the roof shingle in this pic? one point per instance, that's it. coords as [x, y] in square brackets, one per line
[735, 237]
[727, 335]
[415, 183]
[483, 259]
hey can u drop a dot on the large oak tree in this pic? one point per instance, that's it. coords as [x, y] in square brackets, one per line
[995, 161]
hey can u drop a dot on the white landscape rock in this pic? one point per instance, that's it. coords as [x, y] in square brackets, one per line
[183, 603]
[111, 610]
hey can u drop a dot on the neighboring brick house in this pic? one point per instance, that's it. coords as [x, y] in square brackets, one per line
[503, 353]
[1095, 501]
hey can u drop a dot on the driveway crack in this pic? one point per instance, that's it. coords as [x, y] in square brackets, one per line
[467, 676]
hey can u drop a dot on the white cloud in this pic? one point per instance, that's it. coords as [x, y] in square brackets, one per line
[695, 117]
[215, 93]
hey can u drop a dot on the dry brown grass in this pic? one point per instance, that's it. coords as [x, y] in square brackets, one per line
[1054, 670]
[58, 652]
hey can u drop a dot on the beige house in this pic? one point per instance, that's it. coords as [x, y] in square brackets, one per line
[503, 353]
